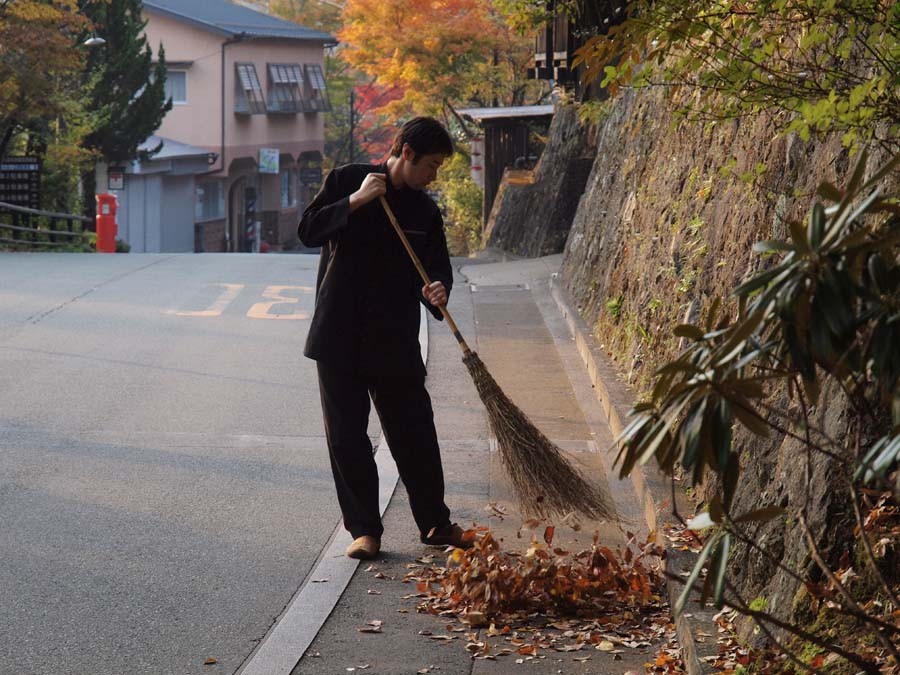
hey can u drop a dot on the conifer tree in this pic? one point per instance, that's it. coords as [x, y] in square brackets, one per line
[127, 89]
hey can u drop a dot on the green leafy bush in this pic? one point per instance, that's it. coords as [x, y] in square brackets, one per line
[460, 199]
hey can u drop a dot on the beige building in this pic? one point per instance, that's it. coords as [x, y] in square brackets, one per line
[242, 146]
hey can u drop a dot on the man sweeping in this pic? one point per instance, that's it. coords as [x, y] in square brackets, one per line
[364, 332]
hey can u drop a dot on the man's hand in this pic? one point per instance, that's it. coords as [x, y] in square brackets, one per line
[373, 186]
[435, 293]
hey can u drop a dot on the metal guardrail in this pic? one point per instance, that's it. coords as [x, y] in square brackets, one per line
[31, 228]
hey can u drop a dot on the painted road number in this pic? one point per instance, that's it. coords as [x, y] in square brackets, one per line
[280, 303]
[263, 310]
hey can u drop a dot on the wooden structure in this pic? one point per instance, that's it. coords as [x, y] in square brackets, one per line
[555, 44]
[506, 144]
[554, 49]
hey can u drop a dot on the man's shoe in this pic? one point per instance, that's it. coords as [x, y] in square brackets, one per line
[365, 547]
[449, 535]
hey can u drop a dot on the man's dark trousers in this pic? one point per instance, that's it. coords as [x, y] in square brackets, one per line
[407, 419]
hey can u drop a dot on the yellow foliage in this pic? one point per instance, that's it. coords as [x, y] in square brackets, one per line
[434, 50]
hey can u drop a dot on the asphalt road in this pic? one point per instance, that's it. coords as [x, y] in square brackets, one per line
[164, 484]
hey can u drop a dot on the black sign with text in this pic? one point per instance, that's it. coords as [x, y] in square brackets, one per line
[311, 175]
[20, 181]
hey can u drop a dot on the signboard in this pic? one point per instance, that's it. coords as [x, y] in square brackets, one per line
[20, 181]
[268, 160]
[311, 176]
[116, 177]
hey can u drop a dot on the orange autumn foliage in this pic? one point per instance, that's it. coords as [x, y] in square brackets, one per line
[438, 52]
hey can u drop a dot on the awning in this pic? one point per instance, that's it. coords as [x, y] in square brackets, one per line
[507, 112]
[171, 149]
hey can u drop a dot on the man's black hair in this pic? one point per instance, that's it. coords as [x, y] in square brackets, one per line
[425, 135]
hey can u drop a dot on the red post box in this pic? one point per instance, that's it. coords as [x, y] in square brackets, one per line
[107, 229]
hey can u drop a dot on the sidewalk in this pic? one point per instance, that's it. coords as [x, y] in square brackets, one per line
[507, 312]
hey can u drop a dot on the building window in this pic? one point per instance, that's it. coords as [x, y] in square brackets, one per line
[317, 96]
[210, 204]
[288, 188]
[249, 98]
[285, 88]
[176, 86]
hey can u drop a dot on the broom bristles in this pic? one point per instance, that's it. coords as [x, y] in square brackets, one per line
[544, 482]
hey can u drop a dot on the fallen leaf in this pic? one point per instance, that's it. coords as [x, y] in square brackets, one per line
[582, 659]
[548, 534]
[605, 646]
[210, 661]
[371, 592]
[570, 648]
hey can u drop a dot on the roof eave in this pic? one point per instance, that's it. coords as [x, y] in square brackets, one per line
[210, 28]
[217, 29]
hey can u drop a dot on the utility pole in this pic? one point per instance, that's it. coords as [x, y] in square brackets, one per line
[352, 121]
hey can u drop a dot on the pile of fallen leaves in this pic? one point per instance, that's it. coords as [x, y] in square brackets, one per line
[550, 599]
[485, 583]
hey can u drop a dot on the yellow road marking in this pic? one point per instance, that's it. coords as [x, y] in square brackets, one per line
[226, 297]
[262, 310]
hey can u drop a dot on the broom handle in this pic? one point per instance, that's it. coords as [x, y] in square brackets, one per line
[422, 273]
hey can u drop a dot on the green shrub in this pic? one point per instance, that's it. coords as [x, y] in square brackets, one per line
[460, 199]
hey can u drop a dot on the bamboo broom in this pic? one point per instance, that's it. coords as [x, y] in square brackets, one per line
[544, 482]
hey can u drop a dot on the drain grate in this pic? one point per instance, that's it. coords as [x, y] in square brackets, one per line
[500, 288]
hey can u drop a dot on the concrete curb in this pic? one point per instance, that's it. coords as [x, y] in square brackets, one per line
[287, 640]
[651, 487]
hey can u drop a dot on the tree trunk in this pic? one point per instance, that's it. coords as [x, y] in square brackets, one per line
[6, 137]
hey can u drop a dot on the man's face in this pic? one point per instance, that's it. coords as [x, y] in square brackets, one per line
[421, 170]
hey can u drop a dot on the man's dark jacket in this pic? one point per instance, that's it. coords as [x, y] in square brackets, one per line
[368, 291]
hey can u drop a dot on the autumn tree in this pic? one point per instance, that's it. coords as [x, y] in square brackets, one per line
[40, 64]
[375, 130]
[324, 15]
[469, 56]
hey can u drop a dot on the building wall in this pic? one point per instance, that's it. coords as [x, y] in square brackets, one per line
[270, 130]
[199, 121]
